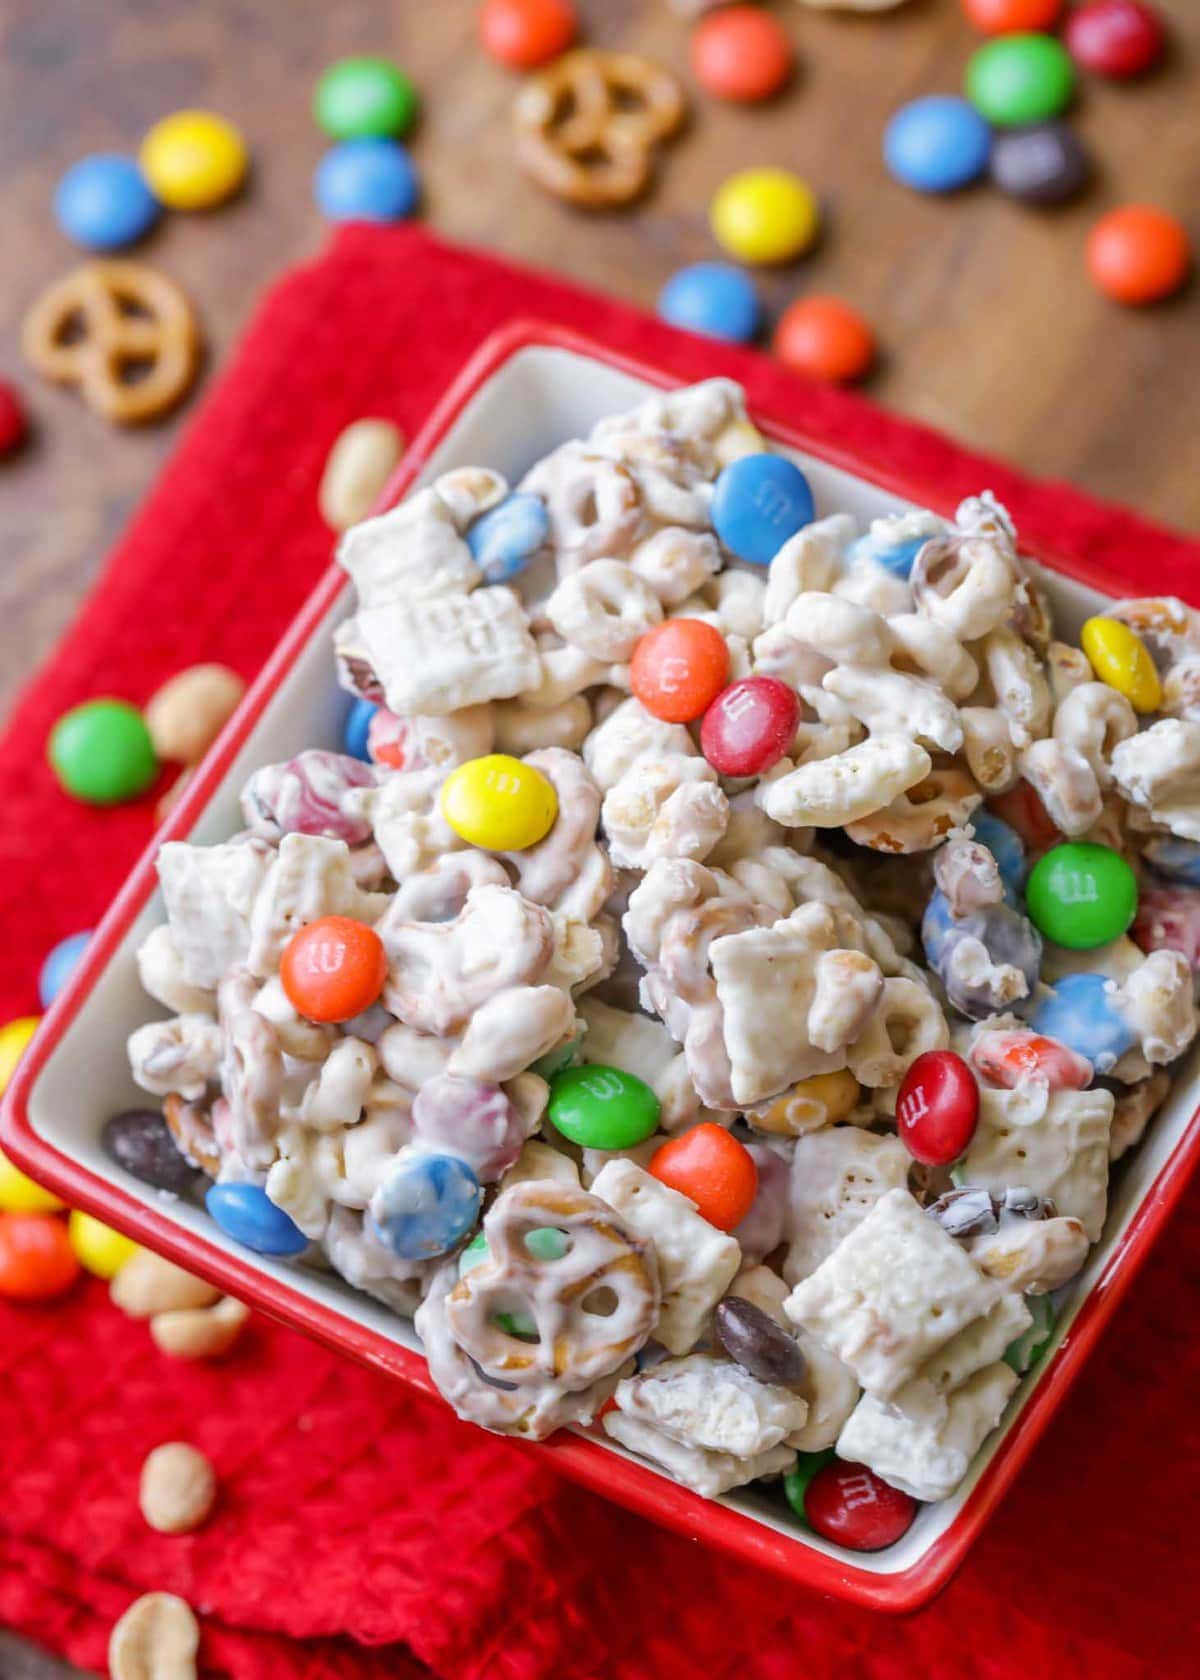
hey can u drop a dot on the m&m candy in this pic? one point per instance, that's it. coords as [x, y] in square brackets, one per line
[764, 216]
[247, 1214]
[12, 419]
[1138, 254]
[710, 1167]
[749, 726]
[140, 1140]
[1019, 79]
[1121, 659]
[796, 1480]
[58, 964]
[759, 502]
[759, 1345]
[194, 160]
[742, 54]
[98, 1248]
[36, 1258]
[104, 204]
[427, 1205]
[1010, 1058]
[937, 1108]
[936, 144]
[356, 727]
[1078, 1011]
[366, 180]
[505, 538]
[712, 298]
[1117, 38]
[602, 1107]
[499, 803]
[1043, 164]
[14, 1036]
[679, 668]
[21, 1194]
[359, 97]
[855, 1508]
[526, 33]
[333, 969]
[824, 338]
[1081, 895]
[1012, 17]
[101, 752]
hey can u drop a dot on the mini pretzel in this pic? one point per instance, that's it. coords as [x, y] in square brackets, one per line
[127, 314]
[190, 1126]
[587, 126]
[578, 1343]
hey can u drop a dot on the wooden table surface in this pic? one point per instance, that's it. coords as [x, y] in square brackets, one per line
[989, 326]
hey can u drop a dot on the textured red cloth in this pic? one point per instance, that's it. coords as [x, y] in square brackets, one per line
[363, 1531]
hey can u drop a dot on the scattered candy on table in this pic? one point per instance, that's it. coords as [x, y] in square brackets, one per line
[1120, 658]
[1116, 38]
[937, 144]
[363, 457]
[358, 723]
[824, 338]
[193, 160]
[333, 969]
[1138, 254]
[246, 1213]
[602, 1107]
[505, 538]
[427, 1204]
[526, 33]
[185, 716]
[765, 216]
[104, 204]
[710, 1167]
[102, 753]
[59, 964]
[358, 98]
[13, 424]
[1081, 895]
[1043, 164]
[37, 1261]
[499, 803]
[712, 298]
[679, 668]
[1012, 17]
[1018, 79]
[855, 1508]
[742, 54]
[750, 726]
[99, 1249]
[759, 502]
[21, 1194]
[937, 1108]
[366, 180]
[14, 1037]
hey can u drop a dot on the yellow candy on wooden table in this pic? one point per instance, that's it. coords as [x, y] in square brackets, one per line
[14, 1036]
[1121, 659]
[499, 803]
[193, 160]
[764, 216]
[20, 1194]
[99, 1249]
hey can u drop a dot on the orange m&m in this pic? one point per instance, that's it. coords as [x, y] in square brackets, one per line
[741, 53]
[1012, 17]
[824, 338]
[526, 33]
[712, 1169]
[36, 1258]
[333, 969]
[679, 668]
[1138, 254]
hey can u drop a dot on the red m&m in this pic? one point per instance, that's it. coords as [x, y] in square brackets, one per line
[333, 969]
[937, 1108]
[1012, 17]
[12, 419]
[749, 726]
[1138, 254]
[741, 53]
[679, 668]
[852, 1506]
[1116, 38]
[525, 33]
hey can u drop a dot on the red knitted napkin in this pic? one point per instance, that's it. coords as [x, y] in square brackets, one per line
[361, 1530]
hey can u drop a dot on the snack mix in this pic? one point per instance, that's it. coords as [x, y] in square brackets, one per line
[659, 1016]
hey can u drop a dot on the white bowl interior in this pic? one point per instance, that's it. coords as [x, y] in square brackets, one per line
[537, 399]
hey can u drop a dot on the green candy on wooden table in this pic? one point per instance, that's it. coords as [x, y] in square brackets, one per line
[602, 1107]
[1081, 895]
[102, 753]
[1019, 79]
[361, 98]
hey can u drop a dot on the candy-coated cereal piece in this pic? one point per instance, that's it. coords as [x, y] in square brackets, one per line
[742, 54]
[356, 727]
[12, 419]
[937, 1108]
[247, 1214]
[367, 180]
[1116, 38]
[749, 726]
[427, 1205]
[98, 1248]
[526, 33]
[14, 1036]
[21, 1194]
[140, 1140]
[936, 144]
[764, 216]
[104, 204]
[1138, 254]
[499, 803]
[102, 753]
[333, 969]
[711, 1168]
[364, 96]
[1121, 659]
[1042, 164]
[1012, 17]
[1019, 79]
[505, 538]
[760, 501]
[58, 965]
[1081, 895]
[855, 1508]
[1079, 1013]
[193, 160]
[712, 298]
[824, 338]
[1009, 1058]
[678, 668]
[36, 1258]
[602, 1107]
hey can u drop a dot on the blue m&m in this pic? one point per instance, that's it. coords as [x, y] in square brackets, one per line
[505, 539]
[354, 731]
[104, 204]
[1005, 845]
[56, 970]
[247, 1214]
[897, 558]
[937, 144]
[760, 501]
[1079, 1012]
[712, 298]
[427, 1205]
[366, 180]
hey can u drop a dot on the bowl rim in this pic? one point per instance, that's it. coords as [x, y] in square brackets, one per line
[587, 1461]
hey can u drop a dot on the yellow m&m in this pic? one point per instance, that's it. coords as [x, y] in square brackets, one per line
[193, 160]
[764, 216]
[499, 803]
[1121, 659]
[13, 1038]
[98, 1249]
[19, 1193]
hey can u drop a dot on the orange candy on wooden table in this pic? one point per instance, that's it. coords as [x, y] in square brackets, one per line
[712, 1169]
[526, 33]
[36, 1258]
[741, 53]
[1012, 17]
[679, 668]
[333, 969]
[1138, 254]
[824, 338]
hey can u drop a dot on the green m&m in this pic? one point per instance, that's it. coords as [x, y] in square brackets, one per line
[602, 1107]
[102, 753]
[1081, 895]
[1017, 79]
[364, 98]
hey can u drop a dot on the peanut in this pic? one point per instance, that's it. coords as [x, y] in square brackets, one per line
[188, 712]
[200, 1333]
[156, 1639]
[148, 1284]
[177, 1488]
[356, 470]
